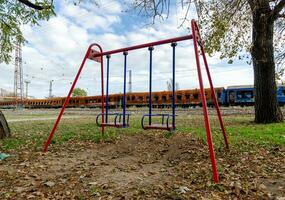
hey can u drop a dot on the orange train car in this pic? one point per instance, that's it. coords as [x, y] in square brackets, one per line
[184, 98]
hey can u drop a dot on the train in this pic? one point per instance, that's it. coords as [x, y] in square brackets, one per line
[242, 95]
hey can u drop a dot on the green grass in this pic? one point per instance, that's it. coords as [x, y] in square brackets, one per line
[242, 132]
[11, 116]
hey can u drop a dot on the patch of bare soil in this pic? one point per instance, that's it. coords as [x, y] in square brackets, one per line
[148, 166]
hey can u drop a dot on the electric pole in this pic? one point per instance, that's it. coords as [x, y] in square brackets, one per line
[50, 89]
[18, 75]
[130, 80]
[27, 88]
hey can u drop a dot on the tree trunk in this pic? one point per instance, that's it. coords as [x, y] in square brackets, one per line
[266, 104]
[4, 128]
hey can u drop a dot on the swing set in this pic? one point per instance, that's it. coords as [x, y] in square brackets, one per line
[165, 122]
[168, 122]
[121, 120]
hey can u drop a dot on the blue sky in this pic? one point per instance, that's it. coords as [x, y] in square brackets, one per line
[55, 49]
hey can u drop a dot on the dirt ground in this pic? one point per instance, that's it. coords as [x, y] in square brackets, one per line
[148, 166]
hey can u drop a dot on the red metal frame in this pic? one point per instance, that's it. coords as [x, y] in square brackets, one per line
[195, 30]
[47, 143]
[211, 85]
[215, 98]
[150, 44]
[98, 56]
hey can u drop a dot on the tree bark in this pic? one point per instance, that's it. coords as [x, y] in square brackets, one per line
[266, 104]
[4, 128]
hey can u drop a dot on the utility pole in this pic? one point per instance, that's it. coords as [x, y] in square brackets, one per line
[50, 89]
[18, 75]
[27, 88]
[130, 80]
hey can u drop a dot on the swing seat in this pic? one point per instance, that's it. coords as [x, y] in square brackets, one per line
[164, 125]
[117, 122]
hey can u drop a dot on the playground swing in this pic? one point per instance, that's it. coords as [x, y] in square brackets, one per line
[167, 120]
[97, 56]
[121, 120]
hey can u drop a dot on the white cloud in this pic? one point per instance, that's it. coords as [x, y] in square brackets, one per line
[90, 19]
[56, 48]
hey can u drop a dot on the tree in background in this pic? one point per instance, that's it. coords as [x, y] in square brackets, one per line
[79, 92]
[14, 14]
[250, 29]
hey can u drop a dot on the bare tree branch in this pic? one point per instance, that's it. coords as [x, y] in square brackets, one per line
[281, 15]
[278, 8]
[153, 8]
[185, 16]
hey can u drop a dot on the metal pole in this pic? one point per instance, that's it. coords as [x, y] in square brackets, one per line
[215, 98]
[124, 95]
[130, 81]
[64, 106]
[204, 104]
[27, 83]
[150, 85]
[173, 84]
[107, 88]
[18, 76]
[47, 143]
[145, 45]
[102, 89]
[213, 91]
[50, 89]
[27, 87]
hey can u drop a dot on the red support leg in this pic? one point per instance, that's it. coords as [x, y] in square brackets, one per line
[102, 91]
[213, 91]
[99, 58]
[47, 143]
[204, 104]
[215, 98]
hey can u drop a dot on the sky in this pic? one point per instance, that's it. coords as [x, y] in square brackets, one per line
[55, 49]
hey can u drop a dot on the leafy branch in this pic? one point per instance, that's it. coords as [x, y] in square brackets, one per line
[14, 14]
[36, 6]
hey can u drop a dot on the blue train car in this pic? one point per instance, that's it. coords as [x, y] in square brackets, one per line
[281, 95]
[240, 95]
[243, 95]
